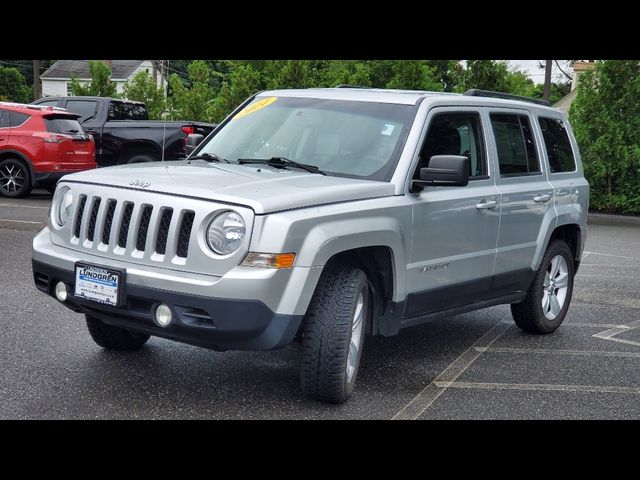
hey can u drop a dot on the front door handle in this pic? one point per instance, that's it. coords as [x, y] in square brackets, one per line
[542, 198]
[487, 205]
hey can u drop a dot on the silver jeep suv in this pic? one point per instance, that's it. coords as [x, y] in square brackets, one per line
[320, 215]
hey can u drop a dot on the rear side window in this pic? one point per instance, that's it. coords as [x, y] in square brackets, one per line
[49, 103]
[556, 140]
[127, 111]
[516, 147]
[16, 118]
[4, 119]
[63, 124]
[85, 108]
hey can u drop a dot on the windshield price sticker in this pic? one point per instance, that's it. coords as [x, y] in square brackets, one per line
[254, 107]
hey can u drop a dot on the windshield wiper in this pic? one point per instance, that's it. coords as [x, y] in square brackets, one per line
[209, 157]
[281, 162]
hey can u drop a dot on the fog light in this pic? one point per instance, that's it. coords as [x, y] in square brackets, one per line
[163, 315]
[61, 291]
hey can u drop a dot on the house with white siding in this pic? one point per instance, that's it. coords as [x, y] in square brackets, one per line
[56, 81]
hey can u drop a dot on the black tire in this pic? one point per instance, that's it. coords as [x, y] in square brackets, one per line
[327, 331]
[529, 314]
[140, 158]
[12, 170]
[114, 338]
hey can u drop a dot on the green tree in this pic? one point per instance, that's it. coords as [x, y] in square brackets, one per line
[100, 84]
[13, 88]
[414, 75]
[242, 82]
[606, 119]
[142, 88]
[485, 75]
[193, 102]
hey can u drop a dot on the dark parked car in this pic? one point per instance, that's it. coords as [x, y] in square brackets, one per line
[123, 132]
[39, 145]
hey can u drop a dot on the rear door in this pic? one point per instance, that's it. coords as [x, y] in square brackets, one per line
[526, 196]
[4, 128]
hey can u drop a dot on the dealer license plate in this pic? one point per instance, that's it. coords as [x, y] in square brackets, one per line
[98, 284]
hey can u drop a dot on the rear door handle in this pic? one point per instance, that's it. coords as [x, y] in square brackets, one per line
[542, 198]
[487, 205]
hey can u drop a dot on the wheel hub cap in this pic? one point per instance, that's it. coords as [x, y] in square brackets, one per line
[11, 178]
[356, 337]
[555, 287]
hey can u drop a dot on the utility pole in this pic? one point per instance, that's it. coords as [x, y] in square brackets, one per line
[37, 87]
[154, 72]
[547, 79]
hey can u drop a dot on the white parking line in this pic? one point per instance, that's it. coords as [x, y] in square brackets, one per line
[431, 392]
[612, 332]
[20, 221]
[550, 351]
[21, 206]
[540, 387]
[614, 256]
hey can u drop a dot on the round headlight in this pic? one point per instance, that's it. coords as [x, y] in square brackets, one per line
[226, 232]
[64, 205]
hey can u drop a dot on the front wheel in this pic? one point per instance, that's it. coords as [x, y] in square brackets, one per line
[549, 295]
[333, 334]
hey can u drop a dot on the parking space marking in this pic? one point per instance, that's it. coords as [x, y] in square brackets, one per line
[592, 325]
[437, 387]
[612, 332]
[19, 221]
[550, 351]
[22, 206]
[614, 256]
[542, 387]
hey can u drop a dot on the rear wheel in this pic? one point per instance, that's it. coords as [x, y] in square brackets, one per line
[114, 338]
[333, 334]
[15, 179]
[549, 295]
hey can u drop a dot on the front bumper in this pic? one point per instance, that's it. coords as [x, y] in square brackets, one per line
[215, 323]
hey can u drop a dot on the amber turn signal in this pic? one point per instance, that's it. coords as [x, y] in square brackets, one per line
[269, 260]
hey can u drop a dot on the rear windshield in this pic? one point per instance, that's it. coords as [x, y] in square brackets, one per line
[63, 124]
[127, 111]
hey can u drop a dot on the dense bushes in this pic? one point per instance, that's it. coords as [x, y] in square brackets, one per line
[606, 120]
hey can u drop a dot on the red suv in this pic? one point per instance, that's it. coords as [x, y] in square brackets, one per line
[38, 145]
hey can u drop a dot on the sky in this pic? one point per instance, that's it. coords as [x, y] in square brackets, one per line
[537, 74]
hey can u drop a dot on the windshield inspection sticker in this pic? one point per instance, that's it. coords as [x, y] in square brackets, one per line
[254, 107]
[388, 129]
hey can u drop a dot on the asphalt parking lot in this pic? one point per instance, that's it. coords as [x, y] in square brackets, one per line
[472, 366]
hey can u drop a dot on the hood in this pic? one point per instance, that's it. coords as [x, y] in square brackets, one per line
[262, 188]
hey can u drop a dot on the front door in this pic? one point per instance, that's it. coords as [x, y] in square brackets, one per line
[455, 229]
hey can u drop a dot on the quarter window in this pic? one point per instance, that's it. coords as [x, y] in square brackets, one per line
[556, 140]
[515, 143]
[455, 134]
[16, 118]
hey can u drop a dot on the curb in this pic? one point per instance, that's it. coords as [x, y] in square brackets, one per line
[611, 219]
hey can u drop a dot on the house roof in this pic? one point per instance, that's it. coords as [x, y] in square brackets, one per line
[120, 69]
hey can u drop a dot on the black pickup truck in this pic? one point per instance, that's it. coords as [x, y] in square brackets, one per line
[123, 132]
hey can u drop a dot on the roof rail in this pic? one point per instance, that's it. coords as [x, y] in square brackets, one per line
[344, 85]
[474, 92]
[32, 107]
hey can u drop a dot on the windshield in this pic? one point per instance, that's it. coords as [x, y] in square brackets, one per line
[343, 138]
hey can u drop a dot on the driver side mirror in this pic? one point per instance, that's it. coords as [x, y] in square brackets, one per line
[444, 171]
[191, 142]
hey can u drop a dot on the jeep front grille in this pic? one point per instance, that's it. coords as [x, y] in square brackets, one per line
[118, 227]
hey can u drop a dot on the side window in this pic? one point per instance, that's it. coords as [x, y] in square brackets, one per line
[116, 111]
[455, 134]
[4, 119]
[516, 146]
[49, 103]
[85, 108]
[556, 140]
[16, 119]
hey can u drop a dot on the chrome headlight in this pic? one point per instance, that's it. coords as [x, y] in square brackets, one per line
[226, 232]
[63, 206]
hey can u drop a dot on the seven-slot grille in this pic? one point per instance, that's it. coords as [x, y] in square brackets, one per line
[124, 226]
